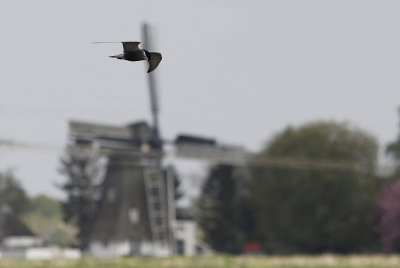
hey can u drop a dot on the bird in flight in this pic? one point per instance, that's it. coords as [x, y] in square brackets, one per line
[132, 52]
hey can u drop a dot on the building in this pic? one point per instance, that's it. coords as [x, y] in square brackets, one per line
[19, 242]
[16, 237]
[132, 216]
[187, 235]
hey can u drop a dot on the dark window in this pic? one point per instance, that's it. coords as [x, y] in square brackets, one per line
[180, 246]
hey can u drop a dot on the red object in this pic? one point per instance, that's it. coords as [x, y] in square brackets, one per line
[251, 246]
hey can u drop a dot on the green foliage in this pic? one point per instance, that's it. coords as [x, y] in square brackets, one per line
[222, 209]
[12, 194]
[393, 150]
[62, 236]
[316, 210]
[81, 191]
[177, 186]
[388, 203]
[45, 218]
[42, 214]
[46, 206]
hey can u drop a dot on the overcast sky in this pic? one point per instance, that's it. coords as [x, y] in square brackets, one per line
[239, 71]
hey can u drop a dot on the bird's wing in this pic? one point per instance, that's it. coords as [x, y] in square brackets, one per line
[130, 46]
[154, 60]
[105, 42]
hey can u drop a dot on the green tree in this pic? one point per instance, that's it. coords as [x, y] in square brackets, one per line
[393, 150]
[12, 193]
[313, 209]
[45, 218]
[222, 209]
[388, 202]
[81, 190]
[46, 207]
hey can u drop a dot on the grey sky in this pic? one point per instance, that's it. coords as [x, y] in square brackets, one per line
[239, 71]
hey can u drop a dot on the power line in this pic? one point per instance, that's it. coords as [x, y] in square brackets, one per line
[249, 159]
[8, 143]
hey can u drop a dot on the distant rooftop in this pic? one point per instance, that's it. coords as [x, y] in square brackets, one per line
[10, 225]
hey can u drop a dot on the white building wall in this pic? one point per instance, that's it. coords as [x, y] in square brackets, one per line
[71, 253]
[185, 230]
[41, 253]
[108, 250]
[154, 249]
[21, 241]
[123, 248]
[45, 253]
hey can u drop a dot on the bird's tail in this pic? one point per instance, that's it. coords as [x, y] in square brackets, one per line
[120, 56]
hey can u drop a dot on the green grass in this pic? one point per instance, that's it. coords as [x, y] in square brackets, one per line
[319, 261]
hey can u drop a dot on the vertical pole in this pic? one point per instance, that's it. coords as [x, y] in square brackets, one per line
[147, 44]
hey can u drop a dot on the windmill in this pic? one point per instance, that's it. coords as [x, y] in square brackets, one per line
[134, 212]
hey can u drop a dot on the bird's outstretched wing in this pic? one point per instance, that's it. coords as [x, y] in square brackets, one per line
[130, 46]
[154, 60]
[112, 42]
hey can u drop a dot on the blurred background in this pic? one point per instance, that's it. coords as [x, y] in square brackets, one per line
[278, 125]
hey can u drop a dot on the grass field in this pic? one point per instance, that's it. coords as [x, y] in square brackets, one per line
[335, 261]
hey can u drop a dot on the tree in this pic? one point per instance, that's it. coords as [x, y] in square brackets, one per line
[171, 171]
[316, 210]
[222, 209]
[81, 189]
[12, 194]
[388, 208]
[46, 206]
[45, 218]
[387, 203]
[393, 150]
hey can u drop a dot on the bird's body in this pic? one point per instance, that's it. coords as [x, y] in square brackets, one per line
[132, 52]
[136, 55]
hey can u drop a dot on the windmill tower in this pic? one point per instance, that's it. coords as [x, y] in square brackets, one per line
[131, 216]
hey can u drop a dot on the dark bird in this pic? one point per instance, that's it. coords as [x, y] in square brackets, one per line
[132, 52]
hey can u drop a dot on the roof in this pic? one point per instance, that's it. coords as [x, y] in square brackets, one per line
[10, 225]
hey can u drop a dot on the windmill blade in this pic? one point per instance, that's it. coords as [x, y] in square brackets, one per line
[154, 103]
